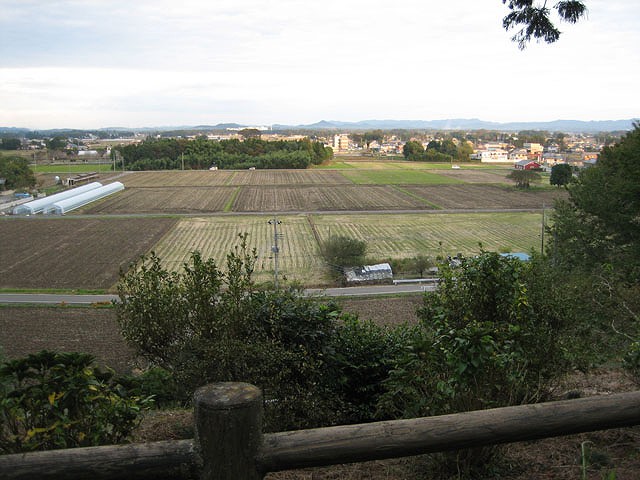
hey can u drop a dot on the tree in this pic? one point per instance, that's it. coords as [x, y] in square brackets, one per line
[250, 133]
[421, 263]
[377, 135]
[447, 147]
[596, 243]
[340, 251]
[523, 178]
[598, 225]
[535, 19]
[16, 171]
[56, 143]
[465, 149]
[412, 150]
[561, 174]
[10, 144]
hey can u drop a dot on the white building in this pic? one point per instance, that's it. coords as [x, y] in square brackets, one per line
[491, 156]
[341, 142]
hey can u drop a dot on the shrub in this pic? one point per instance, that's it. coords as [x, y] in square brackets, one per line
[206, 325]
[156, 383]
[361, 357]
[488, 337]
[59, 400]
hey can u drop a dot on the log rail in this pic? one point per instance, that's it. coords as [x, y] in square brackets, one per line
[229, 445]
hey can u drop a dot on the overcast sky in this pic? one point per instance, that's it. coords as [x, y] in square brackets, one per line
[135, 63]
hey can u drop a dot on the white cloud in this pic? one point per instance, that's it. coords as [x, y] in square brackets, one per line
[95, 63]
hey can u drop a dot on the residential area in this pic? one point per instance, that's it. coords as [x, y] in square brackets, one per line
[523, 150]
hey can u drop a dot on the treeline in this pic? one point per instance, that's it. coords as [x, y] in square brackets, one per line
[201, 153]
[438, 151]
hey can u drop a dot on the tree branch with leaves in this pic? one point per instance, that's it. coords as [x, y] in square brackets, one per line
[535, 19]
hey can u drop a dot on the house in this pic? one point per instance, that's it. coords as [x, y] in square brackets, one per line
[527, 165]
[491, 156]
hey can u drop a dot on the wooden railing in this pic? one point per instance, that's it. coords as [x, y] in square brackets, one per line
[229, 443]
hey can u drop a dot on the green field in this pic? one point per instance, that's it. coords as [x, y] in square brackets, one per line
[387, 236]
[397, 177]
[73, 168]
[407, 235]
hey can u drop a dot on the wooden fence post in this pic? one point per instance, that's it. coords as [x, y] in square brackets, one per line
[228, 421]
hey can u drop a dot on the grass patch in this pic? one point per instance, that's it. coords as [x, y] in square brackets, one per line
[229, 205]
[333, 165]
[74, 168]
[397, 177]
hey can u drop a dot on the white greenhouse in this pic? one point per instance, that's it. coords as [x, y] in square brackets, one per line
[68, 204]
[41, 204]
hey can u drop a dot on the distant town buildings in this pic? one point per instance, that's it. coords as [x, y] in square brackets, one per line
[341, 142]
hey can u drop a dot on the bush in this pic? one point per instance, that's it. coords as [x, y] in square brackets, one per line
[208, 325]
[488, 337]
[55, 400]
[361, 357]
[156, 383]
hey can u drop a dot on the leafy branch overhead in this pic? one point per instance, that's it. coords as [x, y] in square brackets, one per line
[536, 19]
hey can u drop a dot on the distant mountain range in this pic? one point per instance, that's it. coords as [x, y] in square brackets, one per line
[469, 124]
[449, 124]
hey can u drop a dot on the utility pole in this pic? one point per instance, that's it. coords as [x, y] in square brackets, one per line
[542, 232]
[275, 249]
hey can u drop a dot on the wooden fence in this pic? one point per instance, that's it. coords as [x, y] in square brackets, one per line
[229, 443]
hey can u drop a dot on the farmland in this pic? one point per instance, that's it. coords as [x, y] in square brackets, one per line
[401, 209]
[29, 329]
[407, 235]
[397, 177]
[389, 186]
[156, 200]
[73, 253]
[387, 236]
[214, 237]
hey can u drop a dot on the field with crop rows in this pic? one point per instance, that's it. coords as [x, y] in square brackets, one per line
[177, 178]
[288, 177]
[73, 253]
[214, 237]
[324, 198]
[162, 200]
[406, 235]
[207, 178]
[484, 196]
[86, 253]
[373, 186]
[468, 175]
[72, 168]
[386, 235]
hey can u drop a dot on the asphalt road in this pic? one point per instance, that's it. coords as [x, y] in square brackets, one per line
[52, 299]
